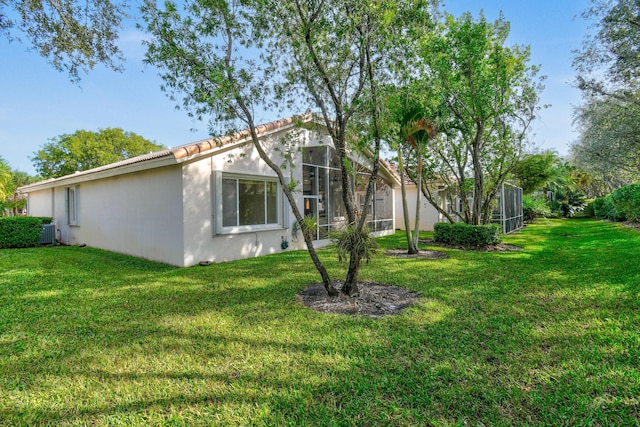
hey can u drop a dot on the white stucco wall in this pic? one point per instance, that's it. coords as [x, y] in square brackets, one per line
[137, 213]
[428, 214]
[201, 244]
[41, 203]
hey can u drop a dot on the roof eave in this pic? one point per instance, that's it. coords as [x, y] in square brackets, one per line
[98, 173]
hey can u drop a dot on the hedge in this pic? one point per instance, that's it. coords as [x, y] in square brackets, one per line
[461, 233]
[21, 231]
[621, 205]
[627, 201]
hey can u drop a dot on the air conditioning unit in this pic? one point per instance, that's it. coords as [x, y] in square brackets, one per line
[48, 234]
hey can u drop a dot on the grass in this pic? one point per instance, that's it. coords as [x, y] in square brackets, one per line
[545, 336]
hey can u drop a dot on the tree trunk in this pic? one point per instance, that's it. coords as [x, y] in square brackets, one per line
[351, 282]
[478, 176]
[416, 232]
[326, 280]
[411, 249]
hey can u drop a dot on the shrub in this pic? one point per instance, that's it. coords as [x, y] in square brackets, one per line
[588, 209]
[626, 201]
[623, 204]
[568, 203]
[461, 233]
[20, 231]
[349, 238]
[534, 207]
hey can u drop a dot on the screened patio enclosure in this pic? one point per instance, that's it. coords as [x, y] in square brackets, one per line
[509, 212]
[322, 189]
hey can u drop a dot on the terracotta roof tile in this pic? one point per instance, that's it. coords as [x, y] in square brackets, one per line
[209, 144]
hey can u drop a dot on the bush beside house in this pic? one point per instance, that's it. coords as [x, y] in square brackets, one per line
[21, 231]
[461, 233]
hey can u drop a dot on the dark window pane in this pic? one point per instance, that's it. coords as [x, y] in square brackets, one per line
[251, 202]
[272, 203]
[314, 155]
[309, 180]
[229, 198]
[334, 158]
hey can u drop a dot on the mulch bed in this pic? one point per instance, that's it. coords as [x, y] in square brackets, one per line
[422, 254]
[375, 300]
[634, 225]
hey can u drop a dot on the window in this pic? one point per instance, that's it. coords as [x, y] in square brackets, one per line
[71, 205]
[246, 203]
[322, 190]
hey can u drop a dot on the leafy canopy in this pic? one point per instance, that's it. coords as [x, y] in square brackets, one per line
[84, 150]
[74, 35]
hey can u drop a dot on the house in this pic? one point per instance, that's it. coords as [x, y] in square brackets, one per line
[508, 210]
[213, 200]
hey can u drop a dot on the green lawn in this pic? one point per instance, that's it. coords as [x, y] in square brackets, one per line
[546, 336]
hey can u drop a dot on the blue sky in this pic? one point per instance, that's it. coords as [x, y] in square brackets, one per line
[37, 103]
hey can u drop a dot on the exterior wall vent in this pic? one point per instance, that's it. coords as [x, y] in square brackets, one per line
[48, 234]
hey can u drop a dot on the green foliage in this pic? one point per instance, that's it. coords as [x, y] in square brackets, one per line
[83, 150]
[608, 68]
[612, 54]
[604, 208]
[608, 142]
[20, 231]
[349, 238]
[622, 204]
[535, 171]
[626, 201]
[567, 202]
[491, 92]
[73, 35]
[589, 211]
[5, 179]
[460, 233]
[10, 180]
[535, 207]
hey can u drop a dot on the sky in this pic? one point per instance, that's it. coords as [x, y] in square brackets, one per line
[37, 103]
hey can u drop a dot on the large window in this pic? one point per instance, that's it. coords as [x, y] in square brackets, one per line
[246, 203]
[71, 205]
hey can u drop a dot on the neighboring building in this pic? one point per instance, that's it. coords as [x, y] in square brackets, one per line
[508, 208]
[213, 200]
[429, 216]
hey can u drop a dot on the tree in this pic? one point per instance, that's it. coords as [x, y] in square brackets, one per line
[203, 57]
[343, 51]
[73, 35]
[84, 150]
[412, 110]
[5, 179]
[609, 72]
[10, 180]
[231, 59]
[491, 98]
[609, 139]
[610, 59]
[534, 171]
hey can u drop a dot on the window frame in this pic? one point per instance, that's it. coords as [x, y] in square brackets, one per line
[218, 200]
[71, 205]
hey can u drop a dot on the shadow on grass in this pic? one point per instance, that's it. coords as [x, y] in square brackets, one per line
[544, 336]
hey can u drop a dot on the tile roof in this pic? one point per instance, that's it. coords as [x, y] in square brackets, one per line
[187, 150]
